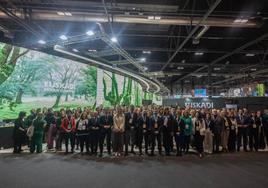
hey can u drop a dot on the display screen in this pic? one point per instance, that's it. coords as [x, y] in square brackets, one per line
[200, 92]
[31, 79]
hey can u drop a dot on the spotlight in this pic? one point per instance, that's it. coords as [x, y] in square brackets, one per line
[145, 68]
[75, 50]
[90, 33]
[114, 39]
[42, 42]
[63, 37]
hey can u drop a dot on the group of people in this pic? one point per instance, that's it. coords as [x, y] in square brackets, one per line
[150, 129]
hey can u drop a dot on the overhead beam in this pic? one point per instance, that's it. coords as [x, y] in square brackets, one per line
[262, 37]
[211, 9]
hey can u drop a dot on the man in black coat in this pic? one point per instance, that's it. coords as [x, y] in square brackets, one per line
[218, 122]
[130, 129]
[106, 122]
[243, 122]
[168, 131]
[94, 130]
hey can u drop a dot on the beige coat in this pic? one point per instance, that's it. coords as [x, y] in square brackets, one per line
[119, 123]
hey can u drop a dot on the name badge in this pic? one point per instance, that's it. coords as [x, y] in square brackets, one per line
[69, 126]
[83, 127]
[197, 128]
[132, 127]
[130, 121]
[254, 126]
[156, 132]
[186, 126]
[144, 131]
[232, 127]
[144, 125]
[155, 125]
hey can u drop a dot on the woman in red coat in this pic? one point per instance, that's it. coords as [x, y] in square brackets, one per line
[68, 127]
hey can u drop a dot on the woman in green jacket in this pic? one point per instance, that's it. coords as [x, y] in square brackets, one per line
[188, 130]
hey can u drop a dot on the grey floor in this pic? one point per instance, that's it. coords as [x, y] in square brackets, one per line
[71, 171]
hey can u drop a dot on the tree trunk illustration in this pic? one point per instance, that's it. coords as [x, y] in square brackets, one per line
[19, 97]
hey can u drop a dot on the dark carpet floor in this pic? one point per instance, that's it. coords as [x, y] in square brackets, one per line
[57, 170]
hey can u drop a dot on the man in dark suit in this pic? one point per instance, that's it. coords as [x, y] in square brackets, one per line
[243, 122]
[130, 129]
[106, 122]
[94, 130]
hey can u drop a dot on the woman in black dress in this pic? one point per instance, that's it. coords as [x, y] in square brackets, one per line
[19, 132]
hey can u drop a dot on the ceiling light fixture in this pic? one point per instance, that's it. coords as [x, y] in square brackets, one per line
[150, 17]
[60, 13]
[250, 55]
[75, 50]
[254, 69]
[114, 39]
[180, 68]
[146, 52]
[90, 33]
[63, 37]
[157, 17]
[239, 20]
[143, 59]
[42, 42]
[199, 53]
[68, 14]
[217, 68]
[64, 13]
[92, 50]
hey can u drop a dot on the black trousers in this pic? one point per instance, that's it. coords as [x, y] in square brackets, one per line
[146, 136]
[199, 139]
[180, 142]
[253, 138]
[186, 145]
[69, 137]
[17, 143]
[242, 134]
[139, 138]
[156, 137]
[59, 138]
[167, 139]
[94, 140]
[232, 141]
[261, 139]
[83, 140]
[216, 142]
[129, 139]
[265, 129]
[105, 134]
